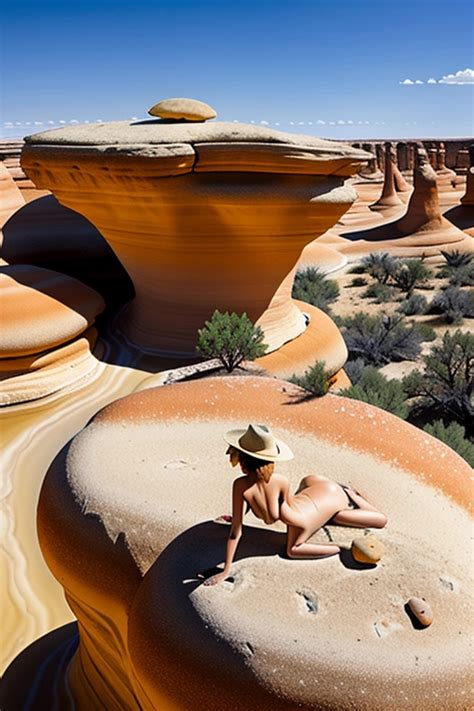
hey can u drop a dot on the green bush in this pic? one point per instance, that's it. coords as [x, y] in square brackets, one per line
[313, 287]
[462, 276]
[445, 387]
[414, 304]
[454, 304]
[453, 436]
[358, 281]
[381, 339]
[380, 266]
[456, 259]
[374, 388]
[409, 273]
[354, 369]
[230, 338]
[382, 293]
[316, 380]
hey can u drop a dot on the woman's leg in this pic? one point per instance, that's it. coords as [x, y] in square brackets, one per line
[366, 516]
[297, 547]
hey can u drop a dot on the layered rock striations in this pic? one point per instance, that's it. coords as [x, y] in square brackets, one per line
[11, 197]
[193, 211]
[125, 523]
[46, 338]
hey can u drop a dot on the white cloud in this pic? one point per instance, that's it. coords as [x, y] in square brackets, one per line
[321, 123]
[292, 123]
[465, 76]
[418, 81]
[406, 81]
[277, 123]
[62, 121]
[264, 123]
[341, 123]
[51, 123]
[73, 121]
[431, 81]
[301, 123]
[310, 123]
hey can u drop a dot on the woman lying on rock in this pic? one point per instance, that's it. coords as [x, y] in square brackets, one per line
[317, 502]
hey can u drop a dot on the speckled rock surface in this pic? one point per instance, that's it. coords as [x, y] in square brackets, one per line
[125, 523]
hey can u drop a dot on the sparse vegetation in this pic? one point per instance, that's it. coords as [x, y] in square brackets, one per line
[316, 380]
[453, 436]
[414, 305]
[445, 387]
[380, 266]
[409, 273]
[462, 276]
[232, 338]
[456, 259]
[381, 339]
[313, 287]
[374, 388]
[382, 293]
[454, 304]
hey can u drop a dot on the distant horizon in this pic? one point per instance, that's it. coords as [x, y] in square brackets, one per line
[307, 66]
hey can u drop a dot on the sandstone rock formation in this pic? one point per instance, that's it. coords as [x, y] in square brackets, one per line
[463, 215]
[389, 200]
[43, 315]
[46, 234]
[10, 196]
[401, 185]
[422, 231]
[243, 192]
[445, 177]
[183, 109]
[125, 523]
[468, 197]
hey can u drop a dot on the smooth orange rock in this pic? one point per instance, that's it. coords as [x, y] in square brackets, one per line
[422, 610]
[10, 196]
[42, 309]
[367, 549]
[201, 242]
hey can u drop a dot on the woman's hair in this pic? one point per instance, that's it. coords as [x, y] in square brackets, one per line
[261, 467]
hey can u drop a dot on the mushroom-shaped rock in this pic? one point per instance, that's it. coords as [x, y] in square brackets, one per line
[182, 203]
[422, 231]
[367, 549]
[389, 198]
[125, 522]
[463, 215]
[183, 110]
[10, 196]
[421, 610]
[47, 234]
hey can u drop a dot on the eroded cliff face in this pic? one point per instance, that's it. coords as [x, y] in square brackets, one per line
[202, 216]
[125, 523]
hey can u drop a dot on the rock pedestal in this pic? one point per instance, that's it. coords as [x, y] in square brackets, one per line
[11, 198]
[389, 198]
[468, 197]
[203, 216]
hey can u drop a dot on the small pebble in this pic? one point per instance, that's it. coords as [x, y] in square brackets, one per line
[421, 610]
[367, 549]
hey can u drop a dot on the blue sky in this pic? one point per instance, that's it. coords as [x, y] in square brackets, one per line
[290, 63]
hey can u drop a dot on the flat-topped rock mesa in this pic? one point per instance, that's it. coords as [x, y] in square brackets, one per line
[125, 523]
[422, 231]
[46, 336]
[183, 203]
[46, 234]
[10, 196]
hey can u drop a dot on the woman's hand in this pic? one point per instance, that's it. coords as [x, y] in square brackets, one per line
[216, 579]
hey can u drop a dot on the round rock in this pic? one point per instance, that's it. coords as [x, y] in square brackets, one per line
[183, 110]
[421, 610]
[367, 549]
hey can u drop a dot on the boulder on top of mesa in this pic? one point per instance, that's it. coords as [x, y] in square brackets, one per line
[183, 110]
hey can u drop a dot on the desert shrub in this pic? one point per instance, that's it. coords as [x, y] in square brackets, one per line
[381, 339]
[357, 269]
[456, 259]
[373, 387]
[380, 292]
[426, 332]
[313, 287]
[380, 266]
[354, 369]
[462, 276]
[445, 387]
[409, 273]
[454, 304]
[231, 338]
[414, 304]
[358, 281]
[452, 435]
[316, 379]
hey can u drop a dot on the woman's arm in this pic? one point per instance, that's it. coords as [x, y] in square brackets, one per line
[235, 531]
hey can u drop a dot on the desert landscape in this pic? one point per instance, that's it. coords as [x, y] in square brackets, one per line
[168, 278]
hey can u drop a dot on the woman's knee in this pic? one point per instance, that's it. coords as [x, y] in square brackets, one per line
[381, 521]
[292, 551]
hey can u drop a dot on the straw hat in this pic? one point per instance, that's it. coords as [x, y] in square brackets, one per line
[259, 442]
